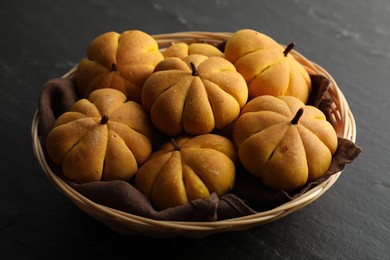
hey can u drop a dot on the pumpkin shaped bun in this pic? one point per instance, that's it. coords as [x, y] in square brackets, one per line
[196, 94]
[182, 50]
[101, 138]
[188, 168]
[284, 142]
[121, 61]
[268, 68]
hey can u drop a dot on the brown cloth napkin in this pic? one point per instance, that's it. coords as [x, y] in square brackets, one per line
[247, 197]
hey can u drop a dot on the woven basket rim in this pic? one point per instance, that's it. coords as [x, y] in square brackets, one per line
[126, 223]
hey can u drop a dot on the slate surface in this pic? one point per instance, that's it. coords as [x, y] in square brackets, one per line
[40, 40]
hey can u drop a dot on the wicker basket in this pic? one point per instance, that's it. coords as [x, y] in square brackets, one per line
[124, 223]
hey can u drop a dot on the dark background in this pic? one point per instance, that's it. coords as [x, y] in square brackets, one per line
[41, 40]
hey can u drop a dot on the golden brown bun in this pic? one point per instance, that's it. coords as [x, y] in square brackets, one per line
[191, 168]
[101, 138]
[282, 154]
[265, 67]
[121, 61]
[182, 50]
[179, 101]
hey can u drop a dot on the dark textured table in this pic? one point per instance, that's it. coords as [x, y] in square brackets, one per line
[40, 40]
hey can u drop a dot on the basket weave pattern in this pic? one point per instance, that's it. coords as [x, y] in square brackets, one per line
[124, 223]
